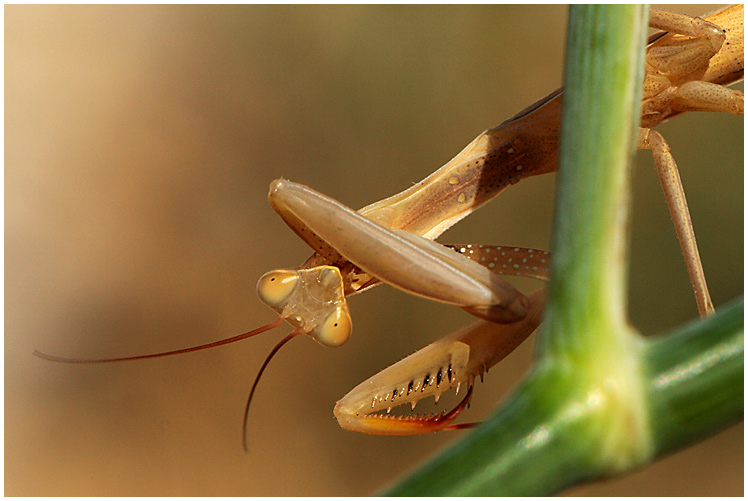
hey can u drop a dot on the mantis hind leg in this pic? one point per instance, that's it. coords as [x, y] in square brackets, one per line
[676, 201]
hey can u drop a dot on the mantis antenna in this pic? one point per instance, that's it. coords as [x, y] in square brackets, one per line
[232, 339]
[272, 353]
[275, 323]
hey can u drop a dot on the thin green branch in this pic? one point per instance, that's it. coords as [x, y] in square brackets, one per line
[602, 107]
[587, 338]
[696, 378]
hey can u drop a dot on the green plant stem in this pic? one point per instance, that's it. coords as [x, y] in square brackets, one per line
[587, 339]
[599, 400]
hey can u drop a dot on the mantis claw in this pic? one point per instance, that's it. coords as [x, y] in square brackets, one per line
[417, 424]
[451, 362]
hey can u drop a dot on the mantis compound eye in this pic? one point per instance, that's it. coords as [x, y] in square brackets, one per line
[335, 329]
[275, 287]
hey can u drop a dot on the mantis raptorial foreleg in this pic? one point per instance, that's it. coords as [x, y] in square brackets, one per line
[451, 362]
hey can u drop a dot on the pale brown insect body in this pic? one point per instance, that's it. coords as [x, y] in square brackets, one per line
[687, 70]
[391, 241]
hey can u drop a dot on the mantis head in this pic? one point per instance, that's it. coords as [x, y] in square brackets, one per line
[310, 299]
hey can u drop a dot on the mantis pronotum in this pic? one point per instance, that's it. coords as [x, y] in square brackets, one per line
[684, 73]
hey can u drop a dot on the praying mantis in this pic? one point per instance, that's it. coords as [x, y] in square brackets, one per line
[684, 73]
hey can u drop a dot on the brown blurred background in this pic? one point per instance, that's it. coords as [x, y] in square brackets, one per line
[140, 142]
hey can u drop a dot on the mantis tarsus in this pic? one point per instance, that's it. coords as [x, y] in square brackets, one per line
[392, 240]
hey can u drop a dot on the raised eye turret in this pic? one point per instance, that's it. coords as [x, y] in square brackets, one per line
[335, 329]
[276, 287]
